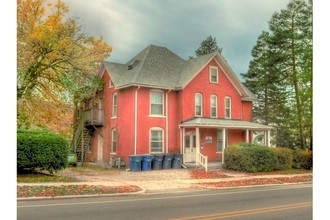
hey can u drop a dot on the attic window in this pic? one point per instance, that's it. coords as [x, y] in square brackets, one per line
[133, 64]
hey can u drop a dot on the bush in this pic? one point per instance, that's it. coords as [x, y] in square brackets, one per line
[41, 149]
[284, 158]
[250, 159]
[302, 159]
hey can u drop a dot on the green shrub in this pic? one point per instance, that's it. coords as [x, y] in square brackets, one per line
[41, 149]
[250, 159]
[302, 159]
[284, 158]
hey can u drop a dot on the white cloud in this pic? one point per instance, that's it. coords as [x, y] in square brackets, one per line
[180, 25]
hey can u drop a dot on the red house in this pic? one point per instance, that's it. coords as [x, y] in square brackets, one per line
[160, 103]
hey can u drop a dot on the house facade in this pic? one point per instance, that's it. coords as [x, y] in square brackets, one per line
[160, 103]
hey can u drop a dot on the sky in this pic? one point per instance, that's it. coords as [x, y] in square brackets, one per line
[180, 25]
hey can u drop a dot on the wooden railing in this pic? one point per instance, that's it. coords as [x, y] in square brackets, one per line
[202, 160]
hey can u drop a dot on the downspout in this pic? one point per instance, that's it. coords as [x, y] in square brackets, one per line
[135, 118]
[166, 120]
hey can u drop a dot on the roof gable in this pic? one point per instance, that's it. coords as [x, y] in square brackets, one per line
[159, 67]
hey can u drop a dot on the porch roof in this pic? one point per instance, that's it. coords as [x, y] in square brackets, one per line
[223, 123]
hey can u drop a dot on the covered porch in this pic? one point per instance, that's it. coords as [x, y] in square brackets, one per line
[203, 140]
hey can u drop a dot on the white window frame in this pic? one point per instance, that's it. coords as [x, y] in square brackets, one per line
[114, 139]
[227, 108]
[200, 105]
[210, 74]
[214, 105]
[219, 141]
[162, 104]
[156, 129]
[114, 105]
[110, 83]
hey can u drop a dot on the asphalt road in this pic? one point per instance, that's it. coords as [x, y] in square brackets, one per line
[267, 202]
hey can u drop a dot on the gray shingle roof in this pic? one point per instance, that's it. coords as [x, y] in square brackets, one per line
[223, 123]
[160, 68]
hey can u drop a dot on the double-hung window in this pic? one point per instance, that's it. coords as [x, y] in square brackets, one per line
[156, 140]
[114, 105]
[227, 107]
[219, 141]
[213, 71]
[214, 106]
[156, 102]
[198, 104]
[113, 141]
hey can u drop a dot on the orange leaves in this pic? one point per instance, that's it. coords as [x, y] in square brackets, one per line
[53, 58]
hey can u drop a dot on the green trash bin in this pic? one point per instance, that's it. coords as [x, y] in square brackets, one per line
[135, 162]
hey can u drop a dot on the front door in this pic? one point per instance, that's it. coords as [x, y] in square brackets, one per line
[190, 147]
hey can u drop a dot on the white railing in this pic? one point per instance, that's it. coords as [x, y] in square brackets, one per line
[202, 160]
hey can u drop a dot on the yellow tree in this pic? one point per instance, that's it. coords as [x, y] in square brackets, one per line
[55, 60]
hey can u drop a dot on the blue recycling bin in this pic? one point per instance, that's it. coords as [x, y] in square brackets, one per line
[177, 161]
[135, 162]
[147, 162]
[157, 163]
[167, 161]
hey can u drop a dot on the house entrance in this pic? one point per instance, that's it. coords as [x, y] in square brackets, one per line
[190, 147]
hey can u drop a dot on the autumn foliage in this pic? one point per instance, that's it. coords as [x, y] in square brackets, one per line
[55, 60]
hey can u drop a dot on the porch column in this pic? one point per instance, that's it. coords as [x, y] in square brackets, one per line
[182, 142]
[223, 145]
[268, 138]
[198, 143]
[247, 136]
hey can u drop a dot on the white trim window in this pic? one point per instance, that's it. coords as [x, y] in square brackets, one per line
[114, 105]
[214, 106]
[213, 74]
[198, 104]
[227, 107]
[156, 102]
[114, 138]
[156, 140]
[219, 141]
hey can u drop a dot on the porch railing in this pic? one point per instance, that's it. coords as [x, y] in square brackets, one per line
[94, 117]
[202, 160]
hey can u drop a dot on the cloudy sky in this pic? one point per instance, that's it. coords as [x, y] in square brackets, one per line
[180, 25]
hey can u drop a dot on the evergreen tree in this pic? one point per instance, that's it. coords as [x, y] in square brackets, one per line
[207, 46]
[281, 75]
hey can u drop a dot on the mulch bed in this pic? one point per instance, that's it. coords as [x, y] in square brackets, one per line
[52, 191]
[260, 181]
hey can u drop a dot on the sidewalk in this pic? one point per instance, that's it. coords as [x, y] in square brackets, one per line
[172, 180]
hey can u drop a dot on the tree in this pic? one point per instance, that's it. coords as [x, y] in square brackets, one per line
[207, 46]
[281, 74]
[55, 60]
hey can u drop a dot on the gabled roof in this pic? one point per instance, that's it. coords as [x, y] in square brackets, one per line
[158, 67]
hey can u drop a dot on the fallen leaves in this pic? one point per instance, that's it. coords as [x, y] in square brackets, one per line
[65, 190]
[259, 181]
[201, 174]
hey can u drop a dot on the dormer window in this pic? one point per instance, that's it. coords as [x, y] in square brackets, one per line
[213, 71]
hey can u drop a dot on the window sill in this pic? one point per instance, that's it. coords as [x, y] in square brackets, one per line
[218, 152]
[157, 116]
[114, 117]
